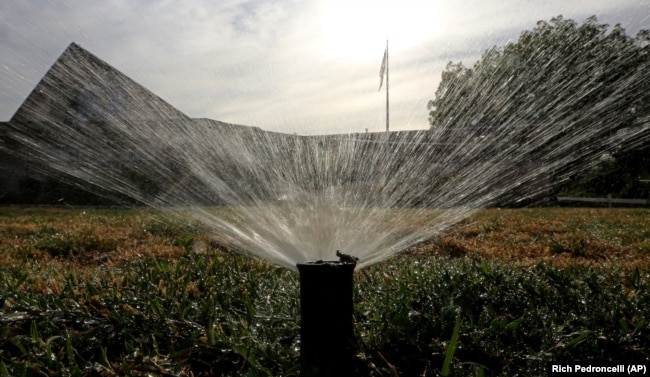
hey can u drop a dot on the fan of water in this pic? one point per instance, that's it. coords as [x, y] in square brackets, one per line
[291, 199]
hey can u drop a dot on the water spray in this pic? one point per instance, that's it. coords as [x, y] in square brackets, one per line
[327, 343]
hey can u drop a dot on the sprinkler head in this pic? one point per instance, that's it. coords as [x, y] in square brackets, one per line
[327, 343]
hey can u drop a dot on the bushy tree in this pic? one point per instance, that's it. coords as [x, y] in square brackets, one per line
[560, 81]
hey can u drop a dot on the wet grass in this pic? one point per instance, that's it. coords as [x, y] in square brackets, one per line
[93, 292]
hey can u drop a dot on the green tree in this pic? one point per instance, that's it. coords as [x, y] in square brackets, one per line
[561, 89]
[553, 69]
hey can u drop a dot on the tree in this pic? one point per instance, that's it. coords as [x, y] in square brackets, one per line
[557, 66]
[560, 90]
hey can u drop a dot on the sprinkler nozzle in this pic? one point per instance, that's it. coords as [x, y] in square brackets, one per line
[346, 258]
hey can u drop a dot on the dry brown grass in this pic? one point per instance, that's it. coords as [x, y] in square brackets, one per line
[60, 239]
[57, 239]
[561, 236]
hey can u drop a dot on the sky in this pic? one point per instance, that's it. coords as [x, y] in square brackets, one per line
[305, 67]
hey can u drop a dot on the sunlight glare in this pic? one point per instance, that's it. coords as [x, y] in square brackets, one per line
[357, 29]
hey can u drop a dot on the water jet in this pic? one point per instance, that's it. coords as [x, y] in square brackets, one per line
[327, 343]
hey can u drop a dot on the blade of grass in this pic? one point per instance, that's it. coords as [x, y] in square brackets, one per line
[451, 347]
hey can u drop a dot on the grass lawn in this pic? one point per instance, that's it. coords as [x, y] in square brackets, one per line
[103, 292]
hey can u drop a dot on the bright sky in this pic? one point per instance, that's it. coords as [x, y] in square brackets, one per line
[305, 67]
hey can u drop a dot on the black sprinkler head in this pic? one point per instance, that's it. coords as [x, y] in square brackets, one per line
[327, 343]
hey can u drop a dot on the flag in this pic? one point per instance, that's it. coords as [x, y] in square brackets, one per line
[383, 68]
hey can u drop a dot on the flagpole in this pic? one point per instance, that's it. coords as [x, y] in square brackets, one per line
[384, 149]
[387, 136]
[387, 113]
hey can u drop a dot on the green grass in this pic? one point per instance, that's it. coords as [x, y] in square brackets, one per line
[513, 320]
[178, 313]
[196, 315]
